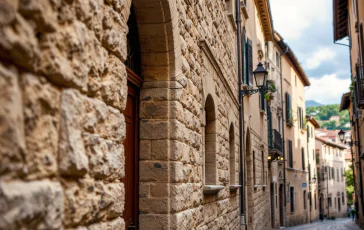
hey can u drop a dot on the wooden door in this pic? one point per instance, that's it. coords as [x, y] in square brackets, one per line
[131, 146]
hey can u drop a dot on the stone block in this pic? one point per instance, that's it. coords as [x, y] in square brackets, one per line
[106, 121]
[116, 224]
[41, 13]
[153, 171]
[154, 110]
[106, 158]
[64, 58]
[153, 130]
[154, 221]
[114, 33]
[113, 85]
[154, 205]
[88, 201]
[91, 13]
[18, 42]
[31, 205]
[41, 115]
[72, 155]
[12, 138]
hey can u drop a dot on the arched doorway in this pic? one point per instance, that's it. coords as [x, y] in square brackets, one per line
[151, 62]
[131, 143]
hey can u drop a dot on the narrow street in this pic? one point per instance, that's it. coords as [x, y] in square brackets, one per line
[338, 224]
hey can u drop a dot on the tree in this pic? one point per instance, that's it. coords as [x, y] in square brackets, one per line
[349, 184]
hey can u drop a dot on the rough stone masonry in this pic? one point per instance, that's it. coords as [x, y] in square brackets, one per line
[63, 87]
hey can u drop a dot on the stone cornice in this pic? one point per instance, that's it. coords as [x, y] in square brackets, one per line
[207, 50]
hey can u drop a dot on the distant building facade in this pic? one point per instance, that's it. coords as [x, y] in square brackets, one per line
[331, 178]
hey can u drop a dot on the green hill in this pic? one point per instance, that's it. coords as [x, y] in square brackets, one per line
[310, 103]
[323, 114]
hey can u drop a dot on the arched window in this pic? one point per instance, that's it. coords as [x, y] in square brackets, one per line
[263, 176]
[210, 142]
[232, 154]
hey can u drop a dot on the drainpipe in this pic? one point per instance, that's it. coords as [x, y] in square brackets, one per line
[360, 171]
[283, 139]
[241, 114]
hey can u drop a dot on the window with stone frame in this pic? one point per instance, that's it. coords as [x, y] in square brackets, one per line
[304, 200]
[232, 154]
[290, 155]
[342, 197]
[210, 141]
[292, 195]
[303, 159]
[254, 172]
[263, 169]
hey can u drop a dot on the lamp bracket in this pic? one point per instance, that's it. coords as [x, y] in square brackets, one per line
[248, 92]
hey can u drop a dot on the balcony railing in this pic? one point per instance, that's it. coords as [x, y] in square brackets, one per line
[360, 85]
[275, 141]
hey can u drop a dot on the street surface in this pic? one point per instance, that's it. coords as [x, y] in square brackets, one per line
[338, 224]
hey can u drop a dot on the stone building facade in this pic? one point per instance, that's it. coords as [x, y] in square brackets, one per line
[105, 100]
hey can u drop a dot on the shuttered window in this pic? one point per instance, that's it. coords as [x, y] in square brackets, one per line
[243, 54]
[303, 159]
[290, 155]
[249, 63]
[288, 108]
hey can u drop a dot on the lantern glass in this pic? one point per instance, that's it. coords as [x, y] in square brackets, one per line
[341, 135]
[260, 75]
[314, 180]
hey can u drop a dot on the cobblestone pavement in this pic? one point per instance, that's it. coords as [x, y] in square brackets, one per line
[338, 224]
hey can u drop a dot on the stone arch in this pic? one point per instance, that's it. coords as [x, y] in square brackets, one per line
[210, 141]
[159, 38]
[158, 32]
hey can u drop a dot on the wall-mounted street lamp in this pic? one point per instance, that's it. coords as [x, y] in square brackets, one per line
[341, 135]
[260, 75]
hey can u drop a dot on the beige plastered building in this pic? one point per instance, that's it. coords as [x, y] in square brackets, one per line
[332, 185]
[295, 137]
[312, 182]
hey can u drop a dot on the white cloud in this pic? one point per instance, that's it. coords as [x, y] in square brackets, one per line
[328, 89]
[319, 56]
[292, 17]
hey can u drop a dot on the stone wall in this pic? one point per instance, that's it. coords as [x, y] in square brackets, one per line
[64, 89]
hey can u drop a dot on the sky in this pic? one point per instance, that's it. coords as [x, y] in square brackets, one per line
[307, 27]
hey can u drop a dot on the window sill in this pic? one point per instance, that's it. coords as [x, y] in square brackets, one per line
[212, 189]
[290, 124]
[262, 112]
[234, 187]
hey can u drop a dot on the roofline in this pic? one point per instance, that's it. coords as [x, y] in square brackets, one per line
[345, 101]
[330, 142]
[313, 121]
[265, 16]
[292, 57]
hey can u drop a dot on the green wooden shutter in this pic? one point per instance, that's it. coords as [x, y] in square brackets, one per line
[243, 60]
[249, 63]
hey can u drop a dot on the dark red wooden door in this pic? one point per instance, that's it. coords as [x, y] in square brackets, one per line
[131, 146]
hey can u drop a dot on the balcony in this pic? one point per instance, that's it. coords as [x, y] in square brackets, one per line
[275, 142]
[360, 85]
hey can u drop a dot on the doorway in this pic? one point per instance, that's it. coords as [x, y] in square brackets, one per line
[131, 114]
[281, 204]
